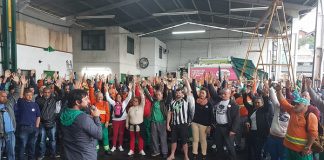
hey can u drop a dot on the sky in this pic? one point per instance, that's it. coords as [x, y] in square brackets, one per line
[308, 21]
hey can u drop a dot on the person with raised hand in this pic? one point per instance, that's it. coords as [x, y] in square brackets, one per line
[28, 120]
[226, 118]
[278, 128]
[134, 123]
[201, 121]
[259, 122]
[301, 132]
[119, 116]
[180, 114]
[162, 98]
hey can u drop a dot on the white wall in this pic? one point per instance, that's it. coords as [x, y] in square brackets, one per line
[185, 51]
[150, 50]
[128, 62]
[160, 64]
[114, 57]
[28, 57]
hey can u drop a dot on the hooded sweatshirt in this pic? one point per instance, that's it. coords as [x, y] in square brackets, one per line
[80, 134]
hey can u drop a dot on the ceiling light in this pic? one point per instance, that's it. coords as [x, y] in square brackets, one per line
[189, 32]
[95, 17]
[251, 9]
[174, 13]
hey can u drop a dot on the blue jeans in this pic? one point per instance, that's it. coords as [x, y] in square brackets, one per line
[8, 143]
[276, 148]
[27, 136]
[50, 133]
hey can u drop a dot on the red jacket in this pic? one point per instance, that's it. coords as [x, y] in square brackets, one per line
[148, 104]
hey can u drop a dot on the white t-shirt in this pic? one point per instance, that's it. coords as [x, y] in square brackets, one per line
[253, 121]
[221, 109]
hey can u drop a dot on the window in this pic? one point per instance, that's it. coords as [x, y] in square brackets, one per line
[130, 45]
[160, 52]
[93, 40]
[160, 73]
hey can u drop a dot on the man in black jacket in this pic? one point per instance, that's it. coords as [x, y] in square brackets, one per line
[47, 105]
[226, 119]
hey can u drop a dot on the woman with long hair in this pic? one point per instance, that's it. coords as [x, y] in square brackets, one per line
[118, 117]
[201, 122]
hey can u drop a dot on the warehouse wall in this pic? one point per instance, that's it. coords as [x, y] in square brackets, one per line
[185, 51]
[114, 57]
[35, 31]
[150, 50]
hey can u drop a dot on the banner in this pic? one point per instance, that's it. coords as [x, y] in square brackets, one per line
[198, 72]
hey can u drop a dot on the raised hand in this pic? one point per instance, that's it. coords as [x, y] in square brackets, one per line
[19, 71]
[23, 80]
[288, 84]
[278, 87]
[91, 83]
[43, 76]
[7, 73]
[77, 84]
[59, 83]
[308, 83]
[106, 87]
[49, 79]
[32, 72]
[130, 85]
[15, 78]
[55, 76]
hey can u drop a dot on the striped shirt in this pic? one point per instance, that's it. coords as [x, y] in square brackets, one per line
[182, 111]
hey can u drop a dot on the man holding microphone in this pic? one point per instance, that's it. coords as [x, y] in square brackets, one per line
[80, 130]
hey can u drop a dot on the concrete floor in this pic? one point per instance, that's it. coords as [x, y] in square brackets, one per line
[211, 155]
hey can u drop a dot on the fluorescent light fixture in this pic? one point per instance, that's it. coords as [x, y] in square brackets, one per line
[95, 17]
[251, 9]
[174, 13]
[189, 32]
[163, 29]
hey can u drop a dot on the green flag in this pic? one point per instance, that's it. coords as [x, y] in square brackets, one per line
[49, 49]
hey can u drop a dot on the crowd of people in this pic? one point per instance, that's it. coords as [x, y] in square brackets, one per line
[80, 114]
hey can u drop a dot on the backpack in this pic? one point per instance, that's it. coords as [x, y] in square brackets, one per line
[318, 145]
[118, 110]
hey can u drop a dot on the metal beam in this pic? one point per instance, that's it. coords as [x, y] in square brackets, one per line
[108, 7]
[222, 15]
[183, 8]
[268, 3]
[236, 17]
[148, 12]
[194, 4]
[175, 3]
[211, 10]
[163, 9]
[131, 16]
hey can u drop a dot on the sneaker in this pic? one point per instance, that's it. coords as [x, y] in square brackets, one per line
[113, 149]
[121, 148]
[155, 154]
[164, 156]
[142, 153]
[130, 153]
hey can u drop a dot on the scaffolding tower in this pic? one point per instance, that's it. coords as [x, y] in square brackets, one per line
[275, 12]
